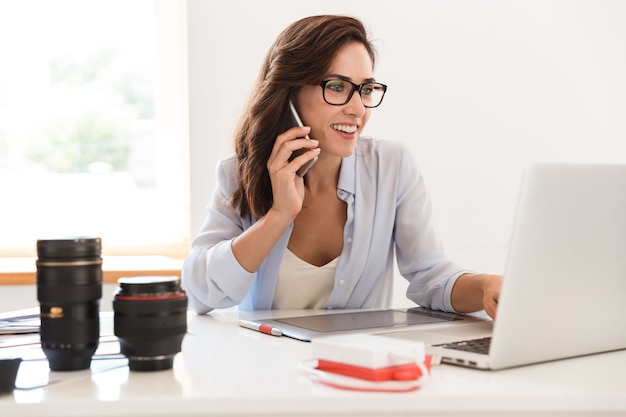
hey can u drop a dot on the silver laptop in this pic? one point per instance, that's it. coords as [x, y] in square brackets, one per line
[564, 288]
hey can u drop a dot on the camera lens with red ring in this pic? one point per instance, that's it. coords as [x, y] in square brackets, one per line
[150, 320]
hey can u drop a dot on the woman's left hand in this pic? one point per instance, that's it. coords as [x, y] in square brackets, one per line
[491, 285]
[475, 292]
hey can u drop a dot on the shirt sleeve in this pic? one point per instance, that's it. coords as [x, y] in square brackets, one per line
[211, 275]
[419, 249]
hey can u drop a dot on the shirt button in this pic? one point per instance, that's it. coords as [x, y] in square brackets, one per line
[349, 240]
[341, 282]
[341, 193]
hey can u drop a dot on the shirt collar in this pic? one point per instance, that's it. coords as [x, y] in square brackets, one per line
[347, 174]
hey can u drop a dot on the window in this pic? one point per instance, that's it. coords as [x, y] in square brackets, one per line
[93, 125]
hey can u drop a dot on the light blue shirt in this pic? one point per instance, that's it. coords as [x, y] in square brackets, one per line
[389, 211]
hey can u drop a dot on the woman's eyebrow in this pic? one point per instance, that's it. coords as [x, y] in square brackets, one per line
[344, 78]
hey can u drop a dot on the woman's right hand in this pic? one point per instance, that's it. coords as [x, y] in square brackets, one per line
[287, 186]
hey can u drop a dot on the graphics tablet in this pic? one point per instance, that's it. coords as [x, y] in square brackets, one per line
[307, 327]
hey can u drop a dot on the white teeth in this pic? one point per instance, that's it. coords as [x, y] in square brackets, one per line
[344, 128]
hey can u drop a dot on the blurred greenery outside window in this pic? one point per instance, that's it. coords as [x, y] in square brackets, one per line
[92, 135]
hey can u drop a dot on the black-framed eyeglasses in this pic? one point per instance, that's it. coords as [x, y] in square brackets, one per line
[338, 92]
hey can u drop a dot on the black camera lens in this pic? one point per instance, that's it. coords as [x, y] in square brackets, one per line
[69, 289]
[150, 320]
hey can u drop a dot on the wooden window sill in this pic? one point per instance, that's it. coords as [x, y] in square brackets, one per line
[21, 271]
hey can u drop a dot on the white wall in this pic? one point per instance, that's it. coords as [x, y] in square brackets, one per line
[479, 89]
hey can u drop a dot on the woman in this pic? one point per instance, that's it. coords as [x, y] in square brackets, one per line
[273, 239]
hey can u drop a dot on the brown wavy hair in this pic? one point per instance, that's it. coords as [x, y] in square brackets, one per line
[301, 54]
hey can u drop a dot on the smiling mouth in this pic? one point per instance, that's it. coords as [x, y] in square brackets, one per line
[344, 128]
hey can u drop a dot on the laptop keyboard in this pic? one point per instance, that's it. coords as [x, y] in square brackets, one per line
[473, 345]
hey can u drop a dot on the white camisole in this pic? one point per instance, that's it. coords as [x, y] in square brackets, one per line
[302, 285]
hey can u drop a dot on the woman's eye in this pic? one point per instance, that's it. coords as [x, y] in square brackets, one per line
[335, 86]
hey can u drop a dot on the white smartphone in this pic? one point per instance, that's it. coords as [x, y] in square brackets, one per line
[298, 122]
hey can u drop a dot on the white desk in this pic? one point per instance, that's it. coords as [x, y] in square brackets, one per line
[225, 370]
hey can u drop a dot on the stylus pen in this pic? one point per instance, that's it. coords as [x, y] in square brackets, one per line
[259, 327]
